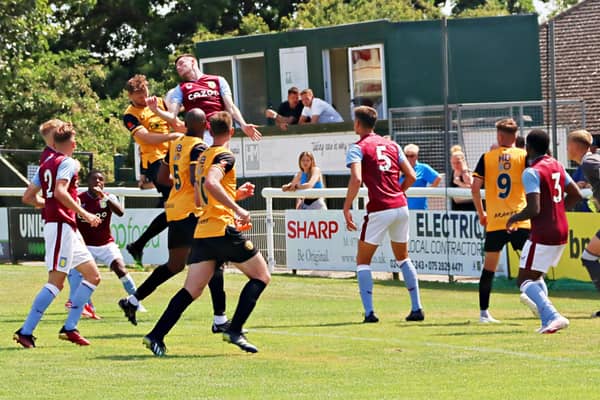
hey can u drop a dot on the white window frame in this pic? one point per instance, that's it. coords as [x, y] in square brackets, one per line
[383, 82]
[234, 69]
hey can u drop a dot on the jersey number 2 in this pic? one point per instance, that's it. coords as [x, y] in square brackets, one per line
[48, 181]
[383, 157]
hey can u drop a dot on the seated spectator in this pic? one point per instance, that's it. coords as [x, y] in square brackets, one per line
[317, 110]
[462, 178]
[309, 177]
[289, 111]
[426, 176]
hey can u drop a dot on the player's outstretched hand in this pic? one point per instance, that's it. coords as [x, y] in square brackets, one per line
[251, 131]
[244, 191]
[350, 225]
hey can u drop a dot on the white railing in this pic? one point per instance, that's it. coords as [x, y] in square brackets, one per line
[120, 192]
[270, 193]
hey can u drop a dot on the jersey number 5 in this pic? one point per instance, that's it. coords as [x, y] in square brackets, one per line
[383, 157]
[177, 177]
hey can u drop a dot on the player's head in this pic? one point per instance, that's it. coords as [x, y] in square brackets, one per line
[364, 119]
[506, 130]
[411, 151]
[457, 158]
[307, 97]
[578, 143]
[520, 142]
[137, 90]
[221, 127]
[537, 143]
[306, 161]
[64, 139]
[195, 122]
[293, 96]
[186, 66]
[95, 179]
[48, 128]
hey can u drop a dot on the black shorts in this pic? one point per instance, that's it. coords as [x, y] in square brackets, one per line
[181, 233]
[495, 240]
[233, 246]
[151, 174]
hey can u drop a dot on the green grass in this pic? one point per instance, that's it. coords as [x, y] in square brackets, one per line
[311, 343]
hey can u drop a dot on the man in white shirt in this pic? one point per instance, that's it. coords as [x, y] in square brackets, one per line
[317, 111]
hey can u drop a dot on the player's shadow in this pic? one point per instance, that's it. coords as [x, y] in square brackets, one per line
[430, 324]
[115, 336]
[144, 357]
[476, 333]
[328, 325]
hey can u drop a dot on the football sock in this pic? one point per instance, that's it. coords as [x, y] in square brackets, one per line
[160, 275]
[219, 319]
[157, 225]
[248, 298]
[535, 292]
[409, 274]
[365, 286]
[171, 315]
[590, 262]
[80, 298]
[75, 279]
[485, 289]
[217, 292]
[128, 283]
[39, 306]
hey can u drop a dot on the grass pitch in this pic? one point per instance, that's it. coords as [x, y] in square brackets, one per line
[312, 346]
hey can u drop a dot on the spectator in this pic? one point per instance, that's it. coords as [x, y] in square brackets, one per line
[462, 178]
[289, 111]
[319, 111]
[579, 178]
[426, 176]
[309, 177]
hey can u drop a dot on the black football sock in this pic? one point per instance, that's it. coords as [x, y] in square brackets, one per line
[157, 225]
[171, 315]
[217, 291]
[160, 275]
[485, 289]
[246, 303]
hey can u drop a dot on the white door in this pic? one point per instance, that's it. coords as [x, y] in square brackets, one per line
[366, 68]
[293, 69]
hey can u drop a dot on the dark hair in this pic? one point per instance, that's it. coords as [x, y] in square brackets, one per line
[94, 172]
[64, 133]
[221, 123]
[520, 142]
[136, 84]
[184, 55]
[538, 141]
[366, 116]
[294, 90]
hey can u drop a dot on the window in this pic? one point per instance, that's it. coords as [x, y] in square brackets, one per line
[246, 76]
[355, 76]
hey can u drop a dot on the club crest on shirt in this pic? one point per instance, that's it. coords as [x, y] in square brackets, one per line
[249, 245]
[62, 262]
[212, 85]
[188, 86]
[179, 147]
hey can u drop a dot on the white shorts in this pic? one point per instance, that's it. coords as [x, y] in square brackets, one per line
[393, 221]
[540, 257]
[106, 254]
[65, 248]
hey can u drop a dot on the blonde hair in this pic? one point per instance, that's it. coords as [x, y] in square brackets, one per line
[580, 136]
[50, 127]
[456, 151]
[411, 148]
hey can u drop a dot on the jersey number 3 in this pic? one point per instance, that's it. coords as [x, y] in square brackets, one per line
[558, 194]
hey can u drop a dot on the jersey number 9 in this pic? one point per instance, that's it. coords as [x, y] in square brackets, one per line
[503, 185]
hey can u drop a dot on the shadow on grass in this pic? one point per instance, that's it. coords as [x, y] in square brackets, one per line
[431, 324]
[132, 357]
[329, 325]
[117, 336]
[478, 333]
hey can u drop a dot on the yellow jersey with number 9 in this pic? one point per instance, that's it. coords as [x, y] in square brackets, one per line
[215, 216]
[183, 153]
[501, 170]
